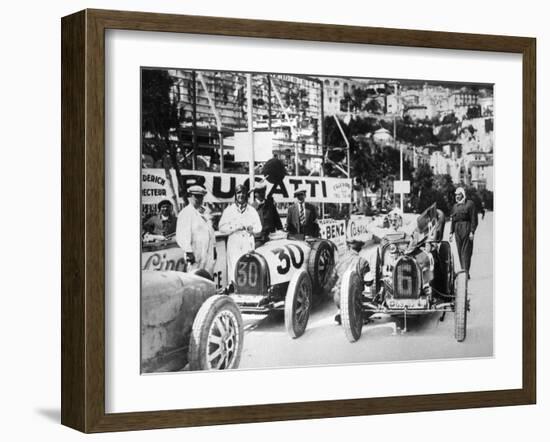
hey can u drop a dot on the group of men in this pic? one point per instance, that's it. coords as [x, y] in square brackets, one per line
[247, 225]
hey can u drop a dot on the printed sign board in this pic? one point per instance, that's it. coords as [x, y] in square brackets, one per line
[221, 186]
[401, 186]
[263, 146]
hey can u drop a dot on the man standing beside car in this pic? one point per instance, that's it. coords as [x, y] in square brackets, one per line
[241, 221]
[302, 216]
[463, 227]
[194, 233]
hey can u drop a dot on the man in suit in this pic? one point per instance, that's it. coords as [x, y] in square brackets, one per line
[267, 211]
[302, 216]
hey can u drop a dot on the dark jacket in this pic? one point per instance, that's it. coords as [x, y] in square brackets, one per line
[310, 227]
[157, 226]
[269, 217]
[465, 212]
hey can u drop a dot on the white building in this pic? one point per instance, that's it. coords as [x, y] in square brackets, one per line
[480, 169]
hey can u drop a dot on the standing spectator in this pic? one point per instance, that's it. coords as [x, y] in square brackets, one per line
[463, 227]
[162, 225]
[302, 216]
[194, 233]
[269, 217]
[241, 221]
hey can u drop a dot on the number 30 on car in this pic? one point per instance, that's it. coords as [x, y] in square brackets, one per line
[285, 275]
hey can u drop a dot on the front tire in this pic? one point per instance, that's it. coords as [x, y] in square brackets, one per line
[351, 305]
[298, 301]
[216, 341]
[461, 307]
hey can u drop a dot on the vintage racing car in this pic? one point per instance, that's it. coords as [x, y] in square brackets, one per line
[185, 322]
[413, 275]
[284, 274]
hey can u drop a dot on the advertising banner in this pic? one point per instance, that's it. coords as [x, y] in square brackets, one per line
[169, 256]
[334, 230]
[221, 187]
[155, 187]
[358, 228]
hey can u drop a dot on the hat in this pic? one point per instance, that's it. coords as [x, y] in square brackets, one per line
[355, 241]
[460, 190]
[196, 190]
[164, 203]
[241, 188]
[300, 190]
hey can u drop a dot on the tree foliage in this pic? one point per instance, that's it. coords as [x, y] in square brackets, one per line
[374, 166]
[160, 118]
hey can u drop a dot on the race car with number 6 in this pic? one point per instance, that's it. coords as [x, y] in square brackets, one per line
[284, 274]
[411, 276]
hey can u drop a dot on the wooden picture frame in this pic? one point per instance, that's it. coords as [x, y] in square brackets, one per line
[83, 220]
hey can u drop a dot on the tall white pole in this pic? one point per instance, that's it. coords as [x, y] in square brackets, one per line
[400, 144]
[251, 160]
[400, 169]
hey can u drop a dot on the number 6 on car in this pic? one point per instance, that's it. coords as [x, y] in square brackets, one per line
[285, 275]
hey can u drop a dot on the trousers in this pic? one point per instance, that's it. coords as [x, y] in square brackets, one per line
[464, 244]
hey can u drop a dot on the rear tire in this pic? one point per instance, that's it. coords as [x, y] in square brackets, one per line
[351, 307]
[461, 307]
[320, 264]
[298, 304]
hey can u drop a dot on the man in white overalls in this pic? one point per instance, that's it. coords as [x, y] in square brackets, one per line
[194, 233]
[241, 221]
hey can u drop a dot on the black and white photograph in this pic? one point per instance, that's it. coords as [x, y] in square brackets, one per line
[292, 220]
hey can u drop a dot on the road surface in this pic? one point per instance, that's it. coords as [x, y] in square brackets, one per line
[267, 345]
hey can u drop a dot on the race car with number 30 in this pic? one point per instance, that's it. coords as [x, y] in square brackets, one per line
[284, 274]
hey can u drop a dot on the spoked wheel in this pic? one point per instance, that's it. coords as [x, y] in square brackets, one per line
[351, 305]
[298, 304]
[320, 264]
[216, 339]
[461, 306]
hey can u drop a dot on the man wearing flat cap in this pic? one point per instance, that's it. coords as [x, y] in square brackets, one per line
[194, 232]
[241, 222]
[162, 225]
[269, 217]
[463, 227]
[302, 216]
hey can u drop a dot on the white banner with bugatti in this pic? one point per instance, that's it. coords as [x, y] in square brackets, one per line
[221, 186]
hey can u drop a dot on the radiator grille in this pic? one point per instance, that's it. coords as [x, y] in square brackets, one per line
[406, 278]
